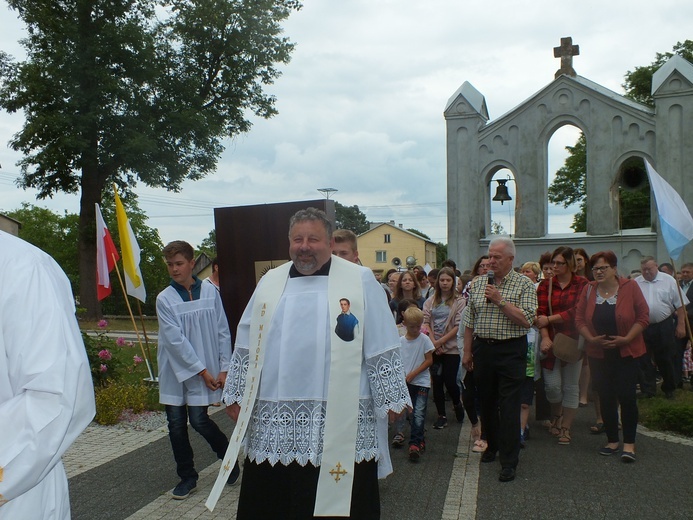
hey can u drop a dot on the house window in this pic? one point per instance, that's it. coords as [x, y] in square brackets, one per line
[381, 256]
[387, 238]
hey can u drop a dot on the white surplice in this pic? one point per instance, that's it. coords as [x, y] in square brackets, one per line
[46, 391]
[288, 418]
[193, 335]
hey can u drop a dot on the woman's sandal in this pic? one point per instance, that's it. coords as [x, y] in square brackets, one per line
[555, 429]
[564, 438]
[479, 446]
[597, 428]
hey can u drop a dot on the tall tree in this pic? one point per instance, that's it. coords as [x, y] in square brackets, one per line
[568, 187]
[136, 90]
[57, 235]
[638, 85]
[209, 244]
[351, 218]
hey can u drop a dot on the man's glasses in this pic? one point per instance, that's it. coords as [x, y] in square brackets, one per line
[600, 269]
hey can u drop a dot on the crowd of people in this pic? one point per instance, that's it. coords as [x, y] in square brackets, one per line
[564, 328]
[327, 355]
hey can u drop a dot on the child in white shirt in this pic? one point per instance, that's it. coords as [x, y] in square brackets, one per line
[416, 350]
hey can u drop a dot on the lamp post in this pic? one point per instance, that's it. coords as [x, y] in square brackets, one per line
[327, 192]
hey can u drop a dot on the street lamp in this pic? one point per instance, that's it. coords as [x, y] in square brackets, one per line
[327, 192]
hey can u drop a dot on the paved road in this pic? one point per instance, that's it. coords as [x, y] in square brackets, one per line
[553, 482]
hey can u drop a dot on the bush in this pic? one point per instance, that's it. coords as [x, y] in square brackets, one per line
[669, 415]
[114, 398]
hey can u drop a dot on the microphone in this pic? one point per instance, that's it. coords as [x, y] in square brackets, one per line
[491, 280]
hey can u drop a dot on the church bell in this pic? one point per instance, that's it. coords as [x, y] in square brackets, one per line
[502, 194]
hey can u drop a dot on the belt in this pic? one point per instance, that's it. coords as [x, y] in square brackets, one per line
[493, 341]
[665, 320]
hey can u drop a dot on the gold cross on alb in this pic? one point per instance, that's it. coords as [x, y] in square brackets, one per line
[338, 472]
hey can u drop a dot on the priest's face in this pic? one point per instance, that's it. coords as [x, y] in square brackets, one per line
[309, 247]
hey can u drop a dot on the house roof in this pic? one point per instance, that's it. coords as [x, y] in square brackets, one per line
[381, 224]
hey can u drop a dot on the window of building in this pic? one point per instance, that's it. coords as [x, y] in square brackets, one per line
[381, 256]
[387, 238]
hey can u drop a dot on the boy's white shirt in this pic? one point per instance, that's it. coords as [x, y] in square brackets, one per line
[413, 352]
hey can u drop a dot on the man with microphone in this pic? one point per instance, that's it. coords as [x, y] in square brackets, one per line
[499, 313]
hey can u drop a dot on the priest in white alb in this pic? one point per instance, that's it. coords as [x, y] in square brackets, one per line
[46, 391]
[312, 407]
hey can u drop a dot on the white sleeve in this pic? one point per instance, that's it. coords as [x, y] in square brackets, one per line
[46, 391]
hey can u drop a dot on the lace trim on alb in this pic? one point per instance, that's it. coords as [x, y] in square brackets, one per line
[235, 379]
[388, 387]
[289, 431]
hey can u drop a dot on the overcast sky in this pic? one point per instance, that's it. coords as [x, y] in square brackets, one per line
[361, 103]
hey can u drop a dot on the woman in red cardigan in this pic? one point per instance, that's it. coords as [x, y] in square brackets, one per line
[611, 315]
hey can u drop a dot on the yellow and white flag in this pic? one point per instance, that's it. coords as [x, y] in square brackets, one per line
[130, 252]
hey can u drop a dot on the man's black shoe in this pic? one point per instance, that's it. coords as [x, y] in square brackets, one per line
[507, 474]
[184, 488]
[488, 456]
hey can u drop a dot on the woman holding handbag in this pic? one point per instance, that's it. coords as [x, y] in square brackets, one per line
[442, 314]
[611, 315]
[558, 297]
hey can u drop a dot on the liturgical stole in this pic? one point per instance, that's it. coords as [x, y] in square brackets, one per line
[336, 475]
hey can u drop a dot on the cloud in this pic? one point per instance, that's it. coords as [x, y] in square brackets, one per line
[361, 103]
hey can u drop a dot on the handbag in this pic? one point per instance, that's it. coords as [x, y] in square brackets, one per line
[564, 347]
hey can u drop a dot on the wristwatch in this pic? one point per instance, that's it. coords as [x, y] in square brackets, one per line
[502, 303]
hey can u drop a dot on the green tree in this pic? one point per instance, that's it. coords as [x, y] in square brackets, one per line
[497, 228]
[441, 253]
[54, 233]
[351, 218]
[57, 235]
[136, 90]
[209, 245]
[568, 187]
[638, 85]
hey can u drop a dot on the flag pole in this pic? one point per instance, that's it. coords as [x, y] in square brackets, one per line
[144, 331]
[132, 317]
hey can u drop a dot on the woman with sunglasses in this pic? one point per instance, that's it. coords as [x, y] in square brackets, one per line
[558, 297]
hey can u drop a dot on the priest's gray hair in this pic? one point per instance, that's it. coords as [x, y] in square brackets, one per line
[507, 243]
[311, 214]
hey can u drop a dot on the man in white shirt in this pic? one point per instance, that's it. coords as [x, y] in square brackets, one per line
[662, 296]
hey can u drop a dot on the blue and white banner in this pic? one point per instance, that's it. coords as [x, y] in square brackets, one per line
[675, 220]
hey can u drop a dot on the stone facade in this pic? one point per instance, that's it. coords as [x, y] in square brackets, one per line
[615, 128]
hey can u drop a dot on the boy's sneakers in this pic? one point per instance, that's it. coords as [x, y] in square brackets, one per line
[422, 446]
[414, 452]
[184, 488]
[459, 412]
[441, 422]
[233, 477]
[398, 440]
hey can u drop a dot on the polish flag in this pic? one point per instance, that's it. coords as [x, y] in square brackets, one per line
[106, 256]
